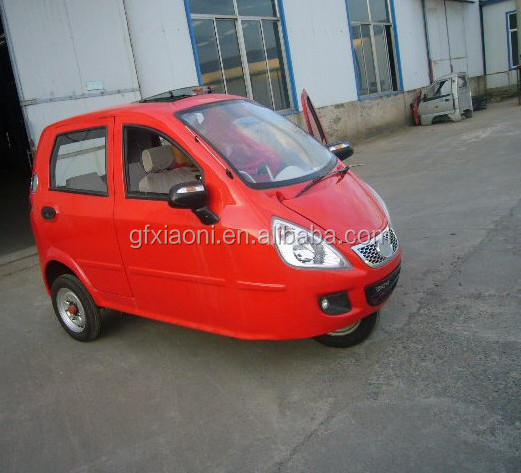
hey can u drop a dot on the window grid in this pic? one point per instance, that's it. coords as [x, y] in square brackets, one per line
[242, 49]
[371, 24]
[216, 33]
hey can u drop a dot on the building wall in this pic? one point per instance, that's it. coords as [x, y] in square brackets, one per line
[161, 43]
[136, 48]
[499, 75]
[413, 47]
[59, 47]
[472, 27]
[320, 46]
[454, 37]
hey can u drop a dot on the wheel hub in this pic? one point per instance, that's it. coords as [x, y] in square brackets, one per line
[345, 330]
[71, 310]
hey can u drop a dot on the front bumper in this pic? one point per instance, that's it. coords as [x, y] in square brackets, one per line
[293, 309]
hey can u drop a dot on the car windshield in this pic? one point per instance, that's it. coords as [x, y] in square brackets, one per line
[264, 148]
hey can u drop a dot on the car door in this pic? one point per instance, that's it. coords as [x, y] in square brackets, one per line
[313, 123]
[464, 94]
[76, 215]
[170, 272]
[439, 98]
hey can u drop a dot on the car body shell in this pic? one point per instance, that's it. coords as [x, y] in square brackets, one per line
[449, 97]
[240, 290]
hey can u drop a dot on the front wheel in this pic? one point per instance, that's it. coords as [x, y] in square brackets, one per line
[75, 309]
[350, 335]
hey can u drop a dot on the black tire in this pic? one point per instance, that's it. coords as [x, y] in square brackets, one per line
[468, 113]
[69, 294]
[351, 338]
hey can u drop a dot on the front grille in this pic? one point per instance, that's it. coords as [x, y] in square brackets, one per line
[379, 250]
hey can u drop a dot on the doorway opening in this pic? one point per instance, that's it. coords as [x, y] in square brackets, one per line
[15, 162]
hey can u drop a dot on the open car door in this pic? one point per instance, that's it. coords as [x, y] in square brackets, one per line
[313, 123]
[342, 149]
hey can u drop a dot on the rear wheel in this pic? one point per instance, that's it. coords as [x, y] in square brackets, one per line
[75, 309]
[350, 335]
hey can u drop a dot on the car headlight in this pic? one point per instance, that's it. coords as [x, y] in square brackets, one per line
[300, 248]
[382, 204]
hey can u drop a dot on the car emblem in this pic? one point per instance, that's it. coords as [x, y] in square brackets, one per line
[384, 246]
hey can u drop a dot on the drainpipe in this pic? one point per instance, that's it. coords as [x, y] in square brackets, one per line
[427, 43]
[482, 27]
[518, 16]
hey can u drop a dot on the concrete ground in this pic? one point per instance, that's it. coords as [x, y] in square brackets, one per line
[437, 387]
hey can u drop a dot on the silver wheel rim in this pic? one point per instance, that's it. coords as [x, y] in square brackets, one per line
[71, 310]
[346, 330]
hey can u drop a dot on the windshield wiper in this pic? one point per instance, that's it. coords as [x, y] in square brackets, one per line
[321, 178]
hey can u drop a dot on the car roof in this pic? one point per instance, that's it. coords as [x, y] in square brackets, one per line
[154, 109]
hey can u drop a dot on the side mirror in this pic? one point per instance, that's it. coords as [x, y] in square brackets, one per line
[193, 195]
[341, 149]
[189, 195]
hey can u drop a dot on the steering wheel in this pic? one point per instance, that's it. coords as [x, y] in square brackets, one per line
[264, 168]
[247, 176]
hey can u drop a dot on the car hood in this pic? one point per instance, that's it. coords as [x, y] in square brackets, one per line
[341, 204]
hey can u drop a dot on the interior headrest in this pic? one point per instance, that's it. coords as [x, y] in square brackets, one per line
[157, 159]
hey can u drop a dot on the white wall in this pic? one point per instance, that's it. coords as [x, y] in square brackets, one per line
[318, 35]
[472, 27]
[41, 115]
[60, 46]
[411, 39]
[162, 46]
[454, 37]
[496, 41]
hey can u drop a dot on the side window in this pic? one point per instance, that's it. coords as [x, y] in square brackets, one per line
[153, 163]
[438, 90]
[79, 161]
[445, 88]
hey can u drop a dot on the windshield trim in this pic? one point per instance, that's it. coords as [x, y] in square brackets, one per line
[254, 185]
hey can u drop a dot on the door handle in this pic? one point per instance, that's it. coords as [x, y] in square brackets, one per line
[49, 213]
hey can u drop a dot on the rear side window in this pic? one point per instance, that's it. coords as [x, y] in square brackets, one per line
[79, 162]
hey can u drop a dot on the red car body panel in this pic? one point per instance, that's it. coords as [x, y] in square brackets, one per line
[240, 290]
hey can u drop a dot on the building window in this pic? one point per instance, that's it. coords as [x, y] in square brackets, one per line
[373, 41]
[240, 49]
[513, 59]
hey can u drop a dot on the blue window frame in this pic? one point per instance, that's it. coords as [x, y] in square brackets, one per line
[240, 47]
[512, 32]
[374, 45]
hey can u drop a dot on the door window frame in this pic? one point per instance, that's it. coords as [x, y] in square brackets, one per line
[126, 177]
[284, 43]
[54, 158]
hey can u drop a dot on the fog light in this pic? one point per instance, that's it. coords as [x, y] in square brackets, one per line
[324, 303]
[335, 304]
